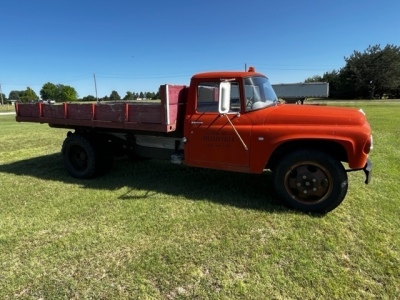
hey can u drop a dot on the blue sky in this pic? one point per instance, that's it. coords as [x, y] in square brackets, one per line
[138, 45]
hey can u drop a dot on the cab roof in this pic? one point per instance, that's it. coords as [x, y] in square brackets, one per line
[226, 74]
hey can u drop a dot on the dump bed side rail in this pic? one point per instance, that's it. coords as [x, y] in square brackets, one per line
[160, 117]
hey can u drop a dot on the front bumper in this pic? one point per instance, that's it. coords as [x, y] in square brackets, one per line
[367, 170]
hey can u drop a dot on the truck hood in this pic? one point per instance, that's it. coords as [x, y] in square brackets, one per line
[313, 115]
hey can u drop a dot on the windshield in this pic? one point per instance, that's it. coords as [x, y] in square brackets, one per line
[258, 93]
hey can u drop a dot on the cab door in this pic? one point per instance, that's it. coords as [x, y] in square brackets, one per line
[214, 140]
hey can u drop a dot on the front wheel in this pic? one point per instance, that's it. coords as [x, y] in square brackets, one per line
[311, 181]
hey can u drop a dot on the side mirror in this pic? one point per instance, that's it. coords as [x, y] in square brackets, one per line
[224, 97]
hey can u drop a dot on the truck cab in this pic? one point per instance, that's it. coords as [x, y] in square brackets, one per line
[235, 122]
[221, 111]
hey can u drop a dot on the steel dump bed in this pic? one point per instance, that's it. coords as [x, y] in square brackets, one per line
[164, 116]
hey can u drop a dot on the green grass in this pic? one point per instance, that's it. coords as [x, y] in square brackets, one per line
[6, 107]
[152, 230]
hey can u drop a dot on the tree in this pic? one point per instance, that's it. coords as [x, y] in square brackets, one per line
[105, 98]
[129, 96]
[14, 95]
[114, 96]
[29, 95]
[89, 98]
[67, 93]
[376, 71]
[315, 78]
[151, 95]
[49, 91]
[58, 92]
[23, 96]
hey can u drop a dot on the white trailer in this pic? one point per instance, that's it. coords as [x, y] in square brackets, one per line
[298, 92]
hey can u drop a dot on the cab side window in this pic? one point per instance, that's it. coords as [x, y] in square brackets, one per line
[235, 97]
[208, 95]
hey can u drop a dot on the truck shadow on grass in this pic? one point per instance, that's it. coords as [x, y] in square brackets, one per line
[146, 180]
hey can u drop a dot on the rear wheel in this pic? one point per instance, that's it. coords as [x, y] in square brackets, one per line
[80, 158]
[311, 181]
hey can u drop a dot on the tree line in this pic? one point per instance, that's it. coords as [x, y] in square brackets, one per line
[374, 73]
[62, 93]
[128, 96]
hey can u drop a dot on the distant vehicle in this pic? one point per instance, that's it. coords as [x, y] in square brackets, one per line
[298, 92]
[229, 121]
[47, 101]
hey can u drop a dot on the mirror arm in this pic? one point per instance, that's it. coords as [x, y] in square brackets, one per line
[237, 133]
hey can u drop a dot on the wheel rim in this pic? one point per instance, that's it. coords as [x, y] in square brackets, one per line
[78, 158]
[308, 182]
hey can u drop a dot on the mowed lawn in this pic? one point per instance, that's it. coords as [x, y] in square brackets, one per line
[5, 108]
[153, 230]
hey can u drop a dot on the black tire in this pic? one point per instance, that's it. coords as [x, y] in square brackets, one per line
[79, 156]
[310, 181]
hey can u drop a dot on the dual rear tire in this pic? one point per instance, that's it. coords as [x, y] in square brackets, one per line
[85, 157]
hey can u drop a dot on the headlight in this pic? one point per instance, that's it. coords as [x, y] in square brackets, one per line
[369, 145]
[372, 143]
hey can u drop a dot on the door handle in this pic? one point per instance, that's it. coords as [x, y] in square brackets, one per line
[196, 123]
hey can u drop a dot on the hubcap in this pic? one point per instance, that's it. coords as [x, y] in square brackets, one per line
[308, 182]
[78, 158]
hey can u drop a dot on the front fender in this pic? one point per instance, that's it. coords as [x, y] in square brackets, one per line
[270, 144]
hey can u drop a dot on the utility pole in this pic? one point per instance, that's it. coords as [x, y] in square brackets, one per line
[1, 95]
[95, 86]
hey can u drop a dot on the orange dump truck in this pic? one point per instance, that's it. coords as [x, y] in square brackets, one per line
[223, 120]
